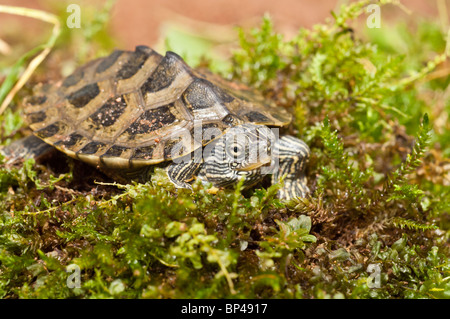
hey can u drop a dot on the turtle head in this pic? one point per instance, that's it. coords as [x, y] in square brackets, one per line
[248, 146]
[241, 151]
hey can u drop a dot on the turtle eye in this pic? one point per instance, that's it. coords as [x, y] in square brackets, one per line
[235, 151]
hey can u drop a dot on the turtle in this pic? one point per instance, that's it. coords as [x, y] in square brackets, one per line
[131, 111]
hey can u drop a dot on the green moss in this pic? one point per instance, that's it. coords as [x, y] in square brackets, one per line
[375, 226]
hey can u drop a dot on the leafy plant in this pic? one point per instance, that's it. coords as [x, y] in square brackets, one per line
[379, 175]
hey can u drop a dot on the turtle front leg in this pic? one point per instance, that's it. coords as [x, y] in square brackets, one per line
[182, 171]
[291, 155]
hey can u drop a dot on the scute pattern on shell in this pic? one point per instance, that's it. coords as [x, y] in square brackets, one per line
[131, 108]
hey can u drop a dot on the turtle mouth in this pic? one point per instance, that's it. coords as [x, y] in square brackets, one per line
[264, 162]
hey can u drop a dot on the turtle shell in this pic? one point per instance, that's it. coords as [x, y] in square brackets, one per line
[136, 108]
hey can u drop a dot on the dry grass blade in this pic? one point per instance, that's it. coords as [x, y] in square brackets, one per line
[46, 48]
[4, 47]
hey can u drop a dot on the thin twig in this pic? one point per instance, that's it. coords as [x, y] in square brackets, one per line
[40, 15]
[4, 47]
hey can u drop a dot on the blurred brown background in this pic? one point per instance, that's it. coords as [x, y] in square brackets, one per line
[142, 21]
[137, 20]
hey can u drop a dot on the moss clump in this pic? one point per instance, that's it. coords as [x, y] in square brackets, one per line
[375, 226]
